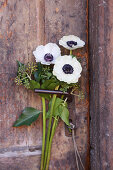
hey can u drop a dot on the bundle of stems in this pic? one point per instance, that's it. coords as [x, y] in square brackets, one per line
[46, 147]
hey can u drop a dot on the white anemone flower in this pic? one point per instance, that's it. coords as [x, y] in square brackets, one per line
[47, 54]
[67, 69]
[71, 42]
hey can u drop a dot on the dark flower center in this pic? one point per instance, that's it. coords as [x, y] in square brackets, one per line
[48, 57]
[71, 43]
[67, 69]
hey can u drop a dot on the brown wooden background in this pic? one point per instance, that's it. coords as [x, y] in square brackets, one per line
[24, 24]
[101, 83]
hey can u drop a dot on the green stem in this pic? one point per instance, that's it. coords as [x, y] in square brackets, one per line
[28, 76]
[49, 127]
[44, 132]
[71, 52]
[50, 142]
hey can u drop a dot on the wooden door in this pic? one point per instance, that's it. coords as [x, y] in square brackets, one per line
[101, 84]
[24, 24]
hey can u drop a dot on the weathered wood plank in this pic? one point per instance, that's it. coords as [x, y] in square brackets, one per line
[20, 163]
[101, 83]
[18, 38]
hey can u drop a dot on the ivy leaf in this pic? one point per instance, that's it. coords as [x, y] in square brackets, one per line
[49, 84]
[39, 66]
[28, 116]
[19, 63]
[55, 109]
[49, 74]
[34, 85]
[52, 86]
[60, 109]
[64, 114]
[58, 102]
[37, 74]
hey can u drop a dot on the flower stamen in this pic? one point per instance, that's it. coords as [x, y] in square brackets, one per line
[71, 43]
[67, 69]
[48, 57]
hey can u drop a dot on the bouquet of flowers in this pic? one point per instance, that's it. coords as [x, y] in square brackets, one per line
[54, 77]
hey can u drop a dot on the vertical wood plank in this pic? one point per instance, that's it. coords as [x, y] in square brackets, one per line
[18, 38]
[65, 18]
[101, 80]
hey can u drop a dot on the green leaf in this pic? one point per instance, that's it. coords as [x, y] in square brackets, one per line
[58, 102]
[19, 63]
[52, 86]
[64, 114]
[37, 74]
[74, 56]
[60, 109]
[48, 114]
[49, 74]
[56, 112]
[49, 84]
[28, 116]
[39, 66]
[34, 85]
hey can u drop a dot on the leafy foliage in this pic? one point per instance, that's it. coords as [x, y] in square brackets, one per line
[24, 74]
[43, 73]
[46, 73]
[40, 76]
[65, 87]
[28, 116]
[38, 72]
[19, 63]
[73, 56]
[60, 109]
[30, 68]
[64, 114]
[34, 85]
[50, 84]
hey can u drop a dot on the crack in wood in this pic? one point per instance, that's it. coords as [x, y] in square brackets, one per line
[20, 154]
[20, 151]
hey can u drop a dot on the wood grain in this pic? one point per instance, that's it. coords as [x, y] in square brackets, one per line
[101, 84]
[24, 25]
[18, 38]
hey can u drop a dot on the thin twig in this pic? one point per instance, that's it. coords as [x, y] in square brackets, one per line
[76, 160]
[76, 151]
